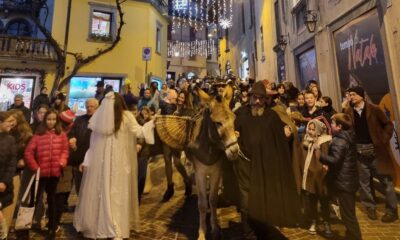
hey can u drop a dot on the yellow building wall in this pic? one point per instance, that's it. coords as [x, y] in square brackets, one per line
[125, 60]
[268, 68]
[241, 44]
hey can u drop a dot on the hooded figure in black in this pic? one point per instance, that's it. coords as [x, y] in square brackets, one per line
[264, 168]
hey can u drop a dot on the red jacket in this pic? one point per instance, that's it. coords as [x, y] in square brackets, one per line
[49, 152]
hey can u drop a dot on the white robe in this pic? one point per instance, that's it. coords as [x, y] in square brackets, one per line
[108, 199]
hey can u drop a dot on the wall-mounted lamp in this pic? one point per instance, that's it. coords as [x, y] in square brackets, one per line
[310, 20]
[283, 41]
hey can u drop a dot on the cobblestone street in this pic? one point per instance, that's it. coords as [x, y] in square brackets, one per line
[178, 218]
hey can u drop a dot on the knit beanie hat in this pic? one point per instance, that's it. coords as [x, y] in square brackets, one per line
[357, 89]
[67, 116]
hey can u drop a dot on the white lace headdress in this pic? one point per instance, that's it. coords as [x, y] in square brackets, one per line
[102, 120]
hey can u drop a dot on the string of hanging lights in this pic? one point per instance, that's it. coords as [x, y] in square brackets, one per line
[189, 49]
[196, 13]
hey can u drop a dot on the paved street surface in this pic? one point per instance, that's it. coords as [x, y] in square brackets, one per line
[178, 218]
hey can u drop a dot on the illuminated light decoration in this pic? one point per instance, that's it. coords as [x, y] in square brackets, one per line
[189, 49]
[195, 13]
[226, 14]
[180, 4]
[225, 23]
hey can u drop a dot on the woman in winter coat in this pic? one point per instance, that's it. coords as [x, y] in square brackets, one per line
[49, 151]
[313, 178]
[22, 133]
[8, 165]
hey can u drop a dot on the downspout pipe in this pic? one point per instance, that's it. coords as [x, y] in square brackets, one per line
[66, 37]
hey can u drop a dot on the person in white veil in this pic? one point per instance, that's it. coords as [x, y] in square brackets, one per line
[108, 199]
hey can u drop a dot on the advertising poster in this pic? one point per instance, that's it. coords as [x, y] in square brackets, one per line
[11, 86]
[361, 61]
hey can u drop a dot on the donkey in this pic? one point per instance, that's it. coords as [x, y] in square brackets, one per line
[212, 138]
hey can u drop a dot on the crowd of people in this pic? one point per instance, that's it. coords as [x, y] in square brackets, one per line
[296, 152]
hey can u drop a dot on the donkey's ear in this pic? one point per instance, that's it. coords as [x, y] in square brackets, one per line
[204, 97]
[228, 93]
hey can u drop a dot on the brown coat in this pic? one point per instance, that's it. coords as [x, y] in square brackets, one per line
[381, 130]
[296, 151]
[315, 182]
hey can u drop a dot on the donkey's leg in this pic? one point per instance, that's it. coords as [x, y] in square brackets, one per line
[215, 177]
[168, 172]
[176, 156]
[200, 175]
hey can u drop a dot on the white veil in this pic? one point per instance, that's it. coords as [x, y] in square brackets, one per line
[102, 120]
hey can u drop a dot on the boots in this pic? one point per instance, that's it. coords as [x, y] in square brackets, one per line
[188, 188]
[3, 230]
[169, 193]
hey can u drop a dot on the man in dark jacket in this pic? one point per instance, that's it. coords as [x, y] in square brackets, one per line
[41, 99]
[19, 105]
[80, 134]
[373, 133]
[342, 176]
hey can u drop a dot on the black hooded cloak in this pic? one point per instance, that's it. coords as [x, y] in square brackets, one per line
[273, 198]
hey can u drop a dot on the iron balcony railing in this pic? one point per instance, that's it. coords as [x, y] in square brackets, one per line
[26, 48]
[21, 6]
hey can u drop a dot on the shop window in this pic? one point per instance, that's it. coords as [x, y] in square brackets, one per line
[102, 24]
[82, 88]
[11, 86]
[307, 66]
[19, 27]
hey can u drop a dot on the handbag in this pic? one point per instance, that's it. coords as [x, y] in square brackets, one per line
[366, 150]
[25, 214]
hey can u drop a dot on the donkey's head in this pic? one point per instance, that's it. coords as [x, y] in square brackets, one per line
[222, 130]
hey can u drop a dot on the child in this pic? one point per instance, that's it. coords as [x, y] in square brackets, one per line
[8, 166]
[313, 180]
[342, 177]
[49, 151]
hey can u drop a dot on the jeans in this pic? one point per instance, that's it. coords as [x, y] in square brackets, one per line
[367, 170]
